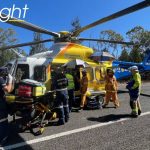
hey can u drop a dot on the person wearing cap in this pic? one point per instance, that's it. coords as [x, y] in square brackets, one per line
[5, 86]
[83, 88]
[111, 88]
[134, 87]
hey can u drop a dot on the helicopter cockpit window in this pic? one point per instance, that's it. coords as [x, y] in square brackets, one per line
[22, 72]
[40, 73]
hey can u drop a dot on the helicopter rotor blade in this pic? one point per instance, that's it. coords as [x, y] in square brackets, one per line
[107, 41]
[25, 44]
[123, 12]
[27, 25]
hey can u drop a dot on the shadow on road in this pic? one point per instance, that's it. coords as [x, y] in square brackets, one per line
[111, 117]
[15, 141]
[125, 91]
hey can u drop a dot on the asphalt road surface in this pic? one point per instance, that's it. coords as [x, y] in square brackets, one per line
[104, 129]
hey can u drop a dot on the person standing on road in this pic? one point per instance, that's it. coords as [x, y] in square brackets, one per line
[5, 86]
[70, 88]
[77, 78]
[111, 87]
[60, 85]
[134, 87]
[83, 89]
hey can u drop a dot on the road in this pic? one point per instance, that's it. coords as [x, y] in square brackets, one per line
[104, 129]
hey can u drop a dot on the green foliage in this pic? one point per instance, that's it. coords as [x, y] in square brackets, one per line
[38, 47]
[124, 56]
[135, 56]
[139, 36]
[75, 24]
[135, 33]
[7, 37]
[110, 35]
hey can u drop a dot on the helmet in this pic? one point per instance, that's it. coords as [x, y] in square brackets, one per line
[88, 94]
[110, 71]
[135, 68]
[54, 116]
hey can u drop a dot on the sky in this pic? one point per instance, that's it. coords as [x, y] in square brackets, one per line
[56, 15]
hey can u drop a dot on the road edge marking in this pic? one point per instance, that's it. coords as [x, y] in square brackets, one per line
[46, 138]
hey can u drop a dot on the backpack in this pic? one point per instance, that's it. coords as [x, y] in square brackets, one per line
[95, 102]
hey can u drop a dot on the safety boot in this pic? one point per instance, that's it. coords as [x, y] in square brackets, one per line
[104, 106]
[60, 122]
[139, 112]
[66, 119]
[134, 114]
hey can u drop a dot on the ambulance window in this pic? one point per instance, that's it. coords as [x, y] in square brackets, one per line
[40, 73]
[22, 72]
[90, 74]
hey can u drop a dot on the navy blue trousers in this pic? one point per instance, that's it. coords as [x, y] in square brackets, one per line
[62, 105]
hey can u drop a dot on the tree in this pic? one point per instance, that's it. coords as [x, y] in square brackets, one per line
[38, 47]
[7, 37]
[124, 56]
[110, 35]
[139, 36]
[134, 55]
[75, 24]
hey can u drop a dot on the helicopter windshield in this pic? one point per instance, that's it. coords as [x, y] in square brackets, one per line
[22, 72]
[40, 73]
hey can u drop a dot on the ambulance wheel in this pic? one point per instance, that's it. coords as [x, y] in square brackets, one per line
[100, 99]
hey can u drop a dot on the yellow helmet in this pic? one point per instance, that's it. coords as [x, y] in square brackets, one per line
[54, 116]
[88, 94]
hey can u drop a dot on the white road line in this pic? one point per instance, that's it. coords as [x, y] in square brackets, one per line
[46, 138]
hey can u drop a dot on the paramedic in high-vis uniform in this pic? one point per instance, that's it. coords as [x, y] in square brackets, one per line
[70, 88]
[134, 87]
[60, 85]
[5, 86]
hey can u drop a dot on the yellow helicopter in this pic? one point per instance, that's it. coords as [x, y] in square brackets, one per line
[39, 67]
[66, 49]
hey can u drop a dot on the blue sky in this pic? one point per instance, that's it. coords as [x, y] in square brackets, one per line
[56, 15]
